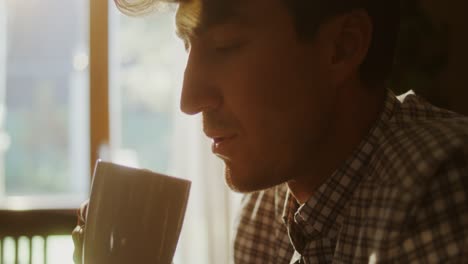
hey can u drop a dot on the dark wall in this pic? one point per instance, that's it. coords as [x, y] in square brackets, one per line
[433, 52]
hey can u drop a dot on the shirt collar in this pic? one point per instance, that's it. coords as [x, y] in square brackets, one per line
[322, 214]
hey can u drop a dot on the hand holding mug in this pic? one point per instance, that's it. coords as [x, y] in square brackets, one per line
[133, 216]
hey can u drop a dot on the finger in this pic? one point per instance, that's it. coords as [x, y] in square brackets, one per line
[82, 212]
[77, 236]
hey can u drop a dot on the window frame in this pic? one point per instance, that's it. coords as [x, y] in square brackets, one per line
[98, 78]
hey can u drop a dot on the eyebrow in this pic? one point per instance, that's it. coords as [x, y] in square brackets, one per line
[216, 13]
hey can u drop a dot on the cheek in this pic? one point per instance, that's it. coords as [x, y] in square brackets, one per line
[273, 92]
[281, 88]
[263, 80]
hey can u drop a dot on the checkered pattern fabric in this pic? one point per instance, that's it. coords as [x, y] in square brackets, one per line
[401, 197]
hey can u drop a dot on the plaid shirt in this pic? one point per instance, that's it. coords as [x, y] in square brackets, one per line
[401, 197]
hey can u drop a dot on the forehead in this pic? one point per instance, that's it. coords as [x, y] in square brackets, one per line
[197, 15]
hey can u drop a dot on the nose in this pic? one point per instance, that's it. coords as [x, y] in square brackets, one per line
[199, 91]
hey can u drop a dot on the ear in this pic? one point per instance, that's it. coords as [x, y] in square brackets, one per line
[351, 39]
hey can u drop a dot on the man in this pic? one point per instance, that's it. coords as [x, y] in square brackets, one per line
[334, 167]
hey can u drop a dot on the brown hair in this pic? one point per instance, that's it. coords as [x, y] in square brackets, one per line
[141, 7]
[385, 15]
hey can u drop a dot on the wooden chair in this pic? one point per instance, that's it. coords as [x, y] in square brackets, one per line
[34, 223]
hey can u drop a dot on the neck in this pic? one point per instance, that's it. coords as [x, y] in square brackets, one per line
[356, 110]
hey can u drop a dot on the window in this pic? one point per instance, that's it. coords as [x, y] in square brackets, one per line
[44, 149]
[44, 100]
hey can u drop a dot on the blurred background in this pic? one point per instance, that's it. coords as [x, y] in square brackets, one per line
[79, 81]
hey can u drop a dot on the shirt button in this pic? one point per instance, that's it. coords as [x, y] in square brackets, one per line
[300, 219]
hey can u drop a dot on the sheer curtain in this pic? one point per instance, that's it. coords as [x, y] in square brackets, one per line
[207, 228]
[148, 130]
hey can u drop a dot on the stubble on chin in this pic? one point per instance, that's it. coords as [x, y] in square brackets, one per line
[245, 183]
[231, 183]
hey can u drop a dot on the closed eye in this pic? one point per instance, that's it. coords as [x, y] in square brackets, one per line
[229, 47]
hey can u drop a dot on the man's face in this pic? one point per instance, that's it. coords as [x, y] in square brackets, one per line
[265, 95]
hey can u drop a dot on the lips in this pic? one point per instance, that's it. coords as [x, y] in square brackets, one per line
[218, 140]
[222, 144]
[218, 135]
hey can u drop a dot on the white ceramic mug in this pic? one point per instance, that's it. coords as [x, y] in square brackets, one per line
[134, 216]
